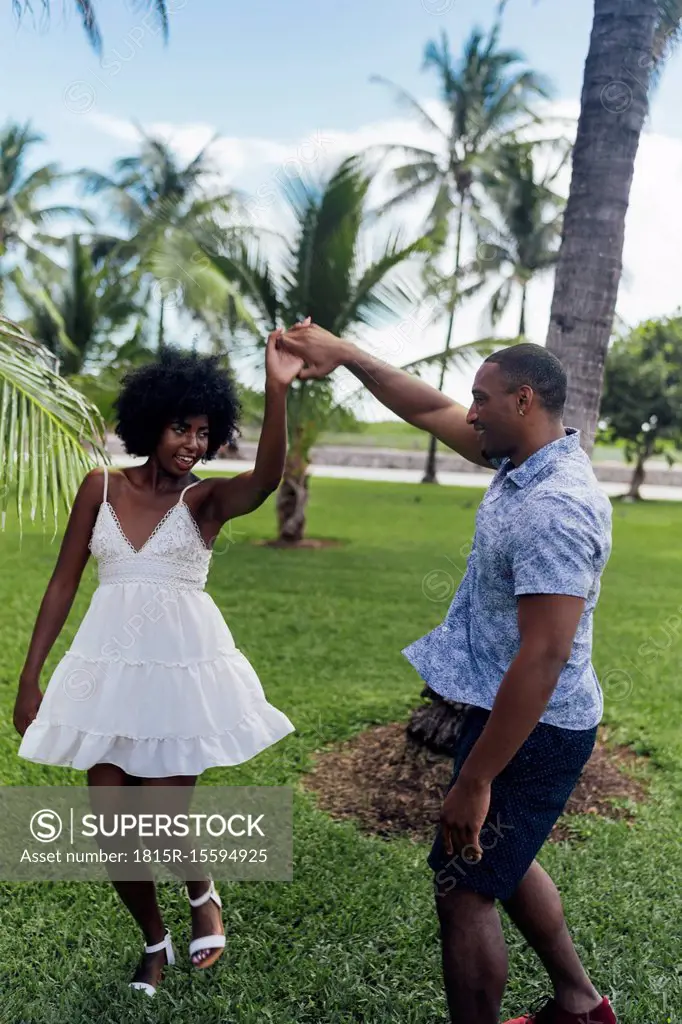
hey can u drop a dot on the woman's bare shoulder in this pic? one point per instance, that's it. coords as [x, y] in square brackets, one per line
[93, 481]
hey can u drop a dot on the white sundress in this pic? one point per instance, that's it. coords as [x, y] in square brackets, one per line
[153, 681]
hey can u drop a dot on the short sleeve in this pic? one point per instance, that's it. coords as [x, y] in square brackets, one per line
[555, 549]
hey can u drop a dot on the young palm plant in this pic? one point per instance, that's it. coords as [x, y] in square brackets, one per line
[488, 95]
[45, 425]
[327, 272]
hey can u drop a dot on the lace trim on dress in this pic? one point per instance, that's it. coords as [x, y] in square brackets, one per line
[161, 523]
[193, 521]
[174, 557]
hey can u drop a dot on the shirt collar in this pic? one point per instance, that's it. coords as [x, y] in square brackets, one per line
[544, 456]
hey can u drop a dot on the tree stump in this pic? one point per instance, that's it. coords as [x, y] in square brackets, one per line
[436, 725]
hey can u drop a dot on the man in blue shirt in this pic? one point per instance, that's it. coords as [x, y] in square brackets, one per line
[516, 647]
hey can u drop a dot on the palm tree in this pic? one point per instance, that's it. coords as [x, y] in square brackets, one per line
[22, 217]
[86, 10]
[45, 425]
[323, 273]
[630, 40]
[488, 95]
[158, 201]
[520, 240]
[75, 310]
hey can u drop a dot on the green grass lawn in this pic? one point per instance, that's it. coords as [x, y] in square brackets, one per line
[354, 937]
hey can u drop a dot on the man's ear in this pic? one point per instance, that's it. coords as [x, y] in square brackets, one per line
[524, 399]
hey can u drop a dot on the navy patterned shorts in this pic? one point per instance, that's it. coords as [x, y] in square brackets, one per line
[527, 797]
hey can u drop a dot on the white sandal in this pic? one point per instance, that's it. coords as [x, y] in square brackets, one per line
[166, 944]
[216, 942]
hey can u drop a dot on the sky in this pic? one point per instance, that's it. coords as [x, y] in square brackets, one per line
[287, 85]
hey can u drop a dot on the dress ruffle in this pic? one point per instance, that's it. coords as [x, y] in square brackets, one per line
[160, 756]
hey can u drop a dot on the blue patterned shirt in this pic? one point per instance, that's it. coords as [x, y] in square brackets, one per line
[542, 528]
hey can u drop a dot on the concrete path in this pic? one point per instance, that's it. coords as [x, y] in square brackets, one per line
[651, 492]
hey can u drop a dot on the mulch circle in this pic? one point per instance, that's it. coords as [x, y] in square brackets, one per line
[393, 788]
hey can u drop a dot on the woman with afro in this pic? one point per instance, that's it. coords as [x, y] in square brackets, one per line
[153, 690]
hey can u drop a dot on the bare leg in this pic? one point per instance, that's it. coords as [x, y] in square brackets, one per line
[206, 919]
[474, 956]
[138, 896]
[535, 908]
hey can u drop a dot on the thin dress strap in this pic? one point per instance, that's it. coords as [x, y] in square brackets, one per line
[186, 489]
[106, 483]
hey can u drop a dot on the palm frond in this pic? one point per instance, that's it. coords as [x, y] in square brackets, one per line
[219, 281]
[667, 36]
[406, 195]
[43, 177]
[44, 427]
[160, 10]
[462, 357]
[87, 13]
[500, 301]
[38, 300]
[323, 255]
[251, 272]
[94, 183]
[372, 298]
[198, 166]
[407, 100]
[86, 10]
[49, 213]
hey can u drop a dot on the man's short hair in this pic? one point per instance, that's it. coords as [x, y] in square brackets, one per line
[539, 369]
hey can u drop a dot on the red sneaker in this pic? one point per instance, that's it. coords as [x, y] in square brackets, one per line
[553, 1014]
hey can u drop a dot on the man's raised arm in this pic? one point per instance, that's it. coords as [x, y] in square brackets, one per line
[408, 397]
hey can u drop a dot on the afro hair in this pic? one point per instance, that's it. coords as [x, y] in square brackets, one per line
[176, 385]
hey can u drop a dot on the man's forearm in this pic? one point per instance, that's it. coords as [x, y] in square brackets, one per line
[405, 395]
[416, 402]
[520, 702]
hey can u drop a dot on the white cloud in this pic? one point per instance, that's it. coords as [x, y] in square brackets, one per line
[653, 245]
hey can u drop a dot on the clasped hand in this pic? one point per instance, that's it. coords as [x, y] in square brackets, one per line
[306, 347]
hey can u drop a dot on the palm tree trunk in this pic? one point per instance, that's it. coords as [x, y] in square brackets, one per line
[292, 499]
[522, 321]
[613, 109]
[292, 495]
[437, 725]
[430, 467]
